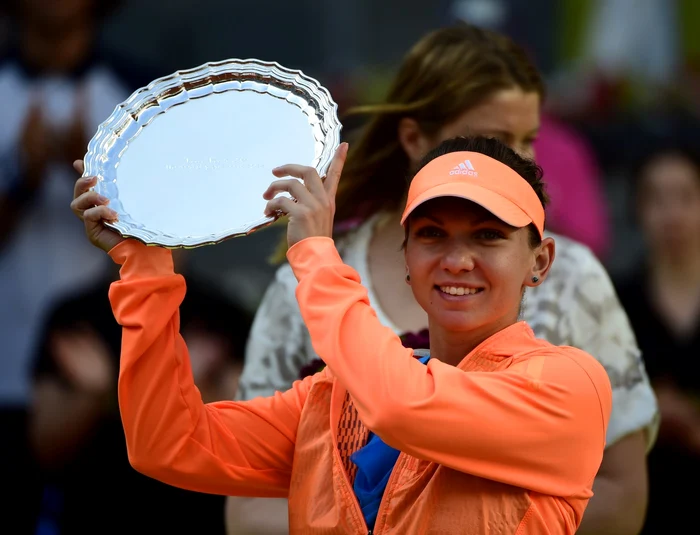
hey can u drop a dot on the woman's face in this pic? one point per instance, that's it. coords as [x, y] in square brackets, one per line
[468, 268]
[669, 205]
[510, 115]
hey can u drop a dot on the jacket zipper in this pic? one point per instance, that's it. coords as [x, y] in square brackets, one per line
[355, 503]
[383, 503]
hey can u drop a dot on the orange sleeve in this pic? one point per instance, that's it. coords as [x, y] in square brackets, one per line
[540, 427]
[231, 448]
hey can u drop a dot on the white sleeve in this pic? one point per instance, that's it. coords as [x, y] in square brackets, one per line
[613, 343]
[279, 345]
[577, 305]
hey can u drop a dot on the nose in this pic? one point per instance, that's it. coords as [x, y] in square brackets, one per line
[458, 258]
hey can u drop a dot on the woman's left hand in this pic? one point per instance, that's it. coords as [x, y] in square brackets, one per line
[312, 208]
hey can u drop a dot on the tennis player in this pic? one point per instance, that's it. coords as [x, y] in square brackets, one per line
[493, 431]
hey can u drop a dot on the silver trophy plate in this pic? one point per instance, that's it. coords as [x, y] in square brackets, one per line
[185, 160]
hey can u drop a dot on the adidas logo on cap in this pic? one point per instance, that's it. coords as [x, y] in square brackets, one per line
[464, 168]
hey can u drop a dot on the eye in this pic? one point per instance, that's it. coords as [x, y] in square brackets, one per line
[490, 234]
[429, 232]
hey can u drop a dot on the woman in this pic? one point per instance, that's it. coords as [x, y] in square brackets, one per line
[457, 81]
[495, 431]
[663, 302]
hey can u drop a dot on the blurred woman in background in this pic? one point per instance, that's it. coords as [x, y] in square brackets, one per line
[662, 300]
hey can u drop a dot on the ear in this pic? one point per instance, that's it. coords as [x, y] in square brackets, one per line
[543, 259]
[408, 273]
[407, 277]
[413, 141]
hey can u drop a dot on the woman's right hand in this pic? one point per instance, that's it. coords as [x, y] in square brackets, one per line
[92, 209]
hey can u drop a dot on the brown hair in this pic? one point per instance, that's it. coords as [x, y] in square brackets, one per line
[446, 73]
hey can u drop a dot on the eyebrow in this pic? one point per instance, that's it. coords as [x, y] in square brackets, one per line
[486, 217]
[432, 218]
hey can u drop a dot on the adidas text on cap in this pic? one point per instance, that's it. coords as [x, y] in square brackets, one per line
[480, 179]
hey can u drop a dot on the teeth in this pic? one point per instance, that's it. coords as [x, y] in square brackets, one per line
[453, 290]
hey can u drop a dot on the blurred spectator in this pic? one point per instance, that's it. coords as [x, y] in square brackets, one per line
[663, 303]
[55, 89]
[578, 207]
[76, 428]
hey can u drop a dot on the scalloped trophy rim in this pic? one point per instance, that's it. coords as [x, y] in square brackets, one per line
[133, 107]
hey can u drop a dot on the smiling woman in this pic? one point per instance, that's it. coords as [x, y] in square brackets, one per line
[381, 441]
[474, 236]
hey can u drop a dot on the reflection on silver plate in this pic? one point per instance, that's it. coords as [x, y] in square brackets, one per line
[185, 160]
